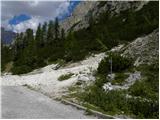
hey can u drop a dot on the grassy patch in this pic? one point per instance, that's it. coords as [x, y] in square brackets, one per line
[65, 76]
[74, 92]
[119, 79]
[93, 107]
[142, 104]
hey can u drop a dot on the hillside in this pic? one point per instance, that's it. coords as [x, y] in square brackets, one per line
[104, 56]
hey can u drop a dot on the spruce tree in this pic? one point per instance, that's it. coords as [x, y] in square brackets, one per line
[44, 33]
[16, 46]
[38, 38]
[30, 50]
[56, 28]
[72, 48]
[50, 33]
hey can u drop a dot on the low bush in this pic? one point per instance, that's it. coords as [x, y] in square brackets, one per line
[144, 100]
[140, 88]
[119, 64]
[65, 76]
[119, 79]
[149, 86]
[143, 108]
[111, 102]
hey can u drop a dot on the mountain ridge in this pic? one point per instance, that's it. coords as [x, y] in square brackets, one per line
[7, 36]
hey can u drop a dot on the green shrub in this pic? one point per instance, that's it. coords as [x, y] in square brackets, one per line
[144, 109]
[119, 79]
[143, 103]
[65, 76]
[149, 86]
[119, 64]
[112, 101]
[21, 69]
[140, 88]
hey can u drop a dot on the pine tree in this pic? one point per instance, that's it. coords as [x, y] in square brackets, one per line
[38, 38]
[44, 33]
[72, 49]
[21, 40]
[16, 46]
[56, 29]
[56, 44]
[50, 33]
[30, 36]
[30, 50]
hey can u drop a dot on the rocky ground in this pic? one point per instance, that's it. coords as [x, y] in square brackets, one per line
[46, 79]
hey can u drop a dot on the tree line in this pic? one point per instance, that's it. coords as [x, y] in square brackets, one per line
[33, 51]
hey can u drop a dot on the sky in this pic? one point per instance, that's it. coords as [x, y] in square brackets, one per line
[20, 15]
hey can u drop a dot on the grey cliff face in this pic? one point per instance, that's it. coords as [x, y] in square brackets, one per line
[80, 16]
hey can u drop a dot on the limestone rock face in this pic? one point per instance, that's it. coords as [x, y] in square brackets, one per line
[78, 15]
[82, 13]
[115, 7]
[144, 49]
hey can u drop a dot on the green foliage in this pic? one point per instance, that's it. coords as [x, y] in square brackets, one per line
[143, 108]
[65, 76]
[73, 49]
[111, 102]
[140, 88]
[119, 79]
[119, 64]
[50, 33]
[148, 87]
[36, 51]
[143, 102]
[21, 69]
[6, 56]
[39, 37]
[56, 29]
[129, 24]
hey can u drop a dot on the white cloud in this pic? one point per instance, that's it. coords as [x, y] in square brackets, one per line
[40, 11]
[32, 23]
[63, 8]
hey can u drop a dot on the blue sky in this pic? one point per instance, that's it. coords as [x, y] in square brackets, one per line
[20, 15]
[18, 19]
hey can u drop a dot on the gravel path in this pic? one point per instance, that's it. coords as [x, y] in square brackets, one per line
[20, 102]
